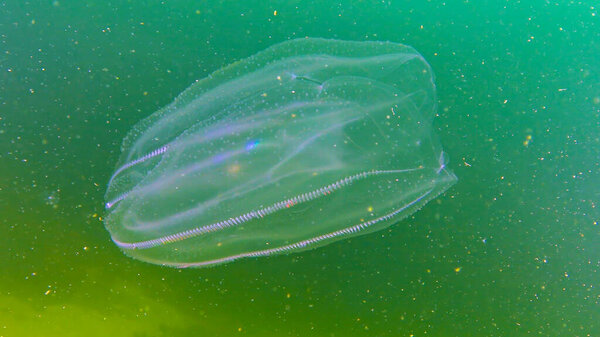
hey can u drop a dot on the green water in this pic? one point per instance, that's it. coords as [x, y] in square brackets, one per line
[512, 249]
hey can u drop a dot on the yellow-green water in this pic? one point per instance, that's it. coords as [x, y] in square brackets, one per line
[513, 249]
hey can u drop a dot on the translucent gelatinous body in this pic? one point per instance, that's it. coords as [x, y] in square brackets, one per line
[302, 144]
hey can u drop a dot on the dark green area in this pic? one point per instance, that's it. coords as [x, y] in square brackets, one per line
[511, 250]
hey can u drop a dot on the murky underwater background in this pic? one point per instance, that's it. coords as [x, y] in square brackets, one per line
[512, 249]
